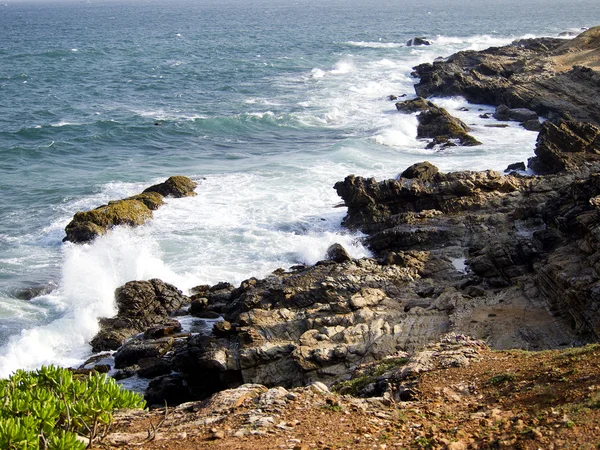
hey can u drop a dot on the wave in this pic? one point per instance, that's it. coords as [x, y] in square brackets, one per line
[363, 44]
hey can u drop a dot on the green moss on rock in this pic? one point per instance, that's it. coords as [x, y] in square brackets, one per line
[132, 211]
[176, 186]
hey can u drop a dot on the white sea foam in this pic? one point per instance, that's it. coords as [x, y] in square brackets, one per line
[364, 44]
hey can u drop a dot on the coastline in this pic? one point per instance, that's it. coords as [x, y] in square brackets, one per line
[529, 243]
[316, 323]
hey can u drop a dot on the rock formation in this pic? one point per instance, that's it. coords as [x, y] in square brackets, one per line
[131, 211]
[544, 75]
[437, 124]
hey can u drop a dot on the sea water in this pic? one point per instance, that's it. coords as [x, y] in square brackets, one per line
[266, 104]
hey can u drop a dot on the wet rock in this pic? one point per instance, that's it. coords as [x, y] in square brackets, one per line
[141, 305]
[515, 166]
[336, 252]
[135, 351]
[436, 123]
[85, 226]
[176, 186]
[532, 125]
[153, 367]
[417, 41]
[503, 112]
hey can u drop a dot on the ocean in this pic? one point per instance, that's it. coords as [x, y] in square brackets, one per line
[266, 104]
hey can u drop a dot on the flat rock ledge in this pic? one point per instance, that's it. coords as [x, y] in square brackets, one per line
[132, 211]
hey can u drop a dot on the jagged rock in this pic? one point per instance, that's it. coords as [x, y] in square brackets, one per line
[131, 211]
[336, 252]
[566, 145]
[141, 305]
[176, 186]
[436, 123]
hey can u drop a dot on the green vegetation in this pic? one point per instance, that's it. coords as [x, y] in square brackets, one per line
[368, 376]
[502, 378]
[48, 408]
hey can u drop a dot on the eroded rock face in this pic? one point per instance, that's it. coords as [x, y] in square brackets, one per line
[142, 305]
[566, 145]
[131, 211]
[437, 124]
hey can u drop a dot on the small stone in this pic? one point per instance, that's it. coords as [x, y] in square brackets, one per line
[458, 445]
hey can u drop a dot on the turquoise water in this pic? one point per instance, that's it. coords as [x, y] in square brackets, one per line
[267, 104]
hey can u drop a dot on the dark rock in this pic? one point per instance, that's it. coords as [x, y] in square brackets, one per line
[336, 252]
[134, 351]
[170, 390]
[436, 123]
[34, 290]
[484, 116]
[176, 186]
[565, 145]
[392, 97]
[532, 125]
[153, 367]
[515, 166]
[222, 329]
[141, 305]
[166, 328]
[416, 41]
[503, 112]
[521, 75]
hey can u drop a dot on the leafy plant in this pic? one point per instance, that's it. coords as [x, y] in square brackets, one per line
[47, 409]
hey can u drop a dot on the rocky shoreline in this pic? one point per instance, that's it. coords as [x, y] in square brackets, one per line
[513, 260]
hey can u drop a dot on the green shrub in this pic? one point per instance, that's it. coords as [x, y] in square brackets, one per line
[48, 408]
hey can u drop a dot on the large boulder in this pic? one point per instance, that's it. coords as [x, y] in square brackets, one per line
[141, 305]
